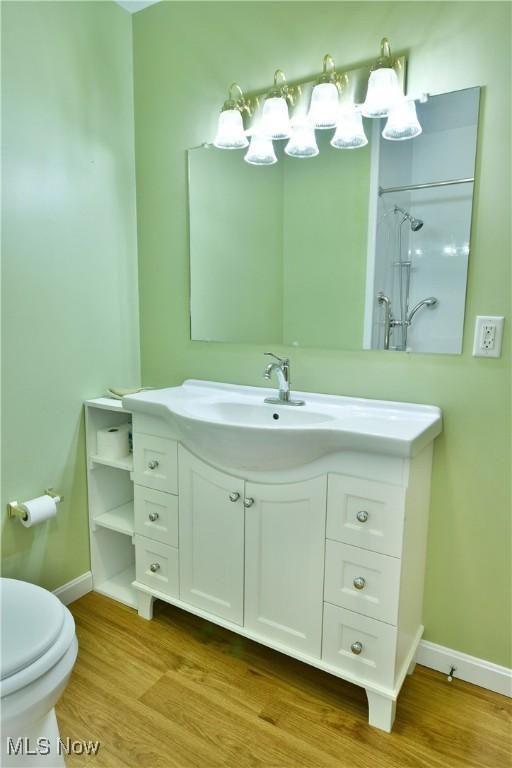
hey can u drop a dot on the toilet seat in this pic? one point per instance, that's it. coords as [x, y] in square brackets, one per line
[37, 631]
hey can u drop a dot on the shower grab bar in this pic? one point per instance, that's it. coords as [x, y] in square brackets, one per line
[428, 185]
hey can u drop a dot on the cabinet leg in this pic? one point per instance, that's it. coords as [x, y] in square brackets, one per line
[145, 605]
[381, 711]
[412, 667]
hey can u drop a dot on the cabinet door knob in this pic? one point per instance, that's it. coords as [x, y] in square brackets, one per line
[153, 464]
[153, 516]
[234, 496]
[356, 648]
[248, 503]
[362, 516]
[359, 582]
[154, 567]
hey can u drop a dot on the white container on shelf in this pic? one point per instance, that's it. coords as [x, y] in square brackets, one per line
[114, 442]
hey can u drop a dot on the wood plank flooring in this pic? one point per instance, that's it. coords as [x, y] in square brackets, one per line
[178, 692]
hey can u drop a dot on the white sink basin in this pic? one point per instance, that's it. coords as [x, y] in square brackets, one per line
[232, 425]
[260, 415]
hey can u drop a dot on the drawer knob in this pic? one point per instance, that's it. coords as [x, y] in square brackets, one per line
[356, 648]
[362, 516]
[154, 567]
[153, 516]
[248, 503]
[153, 464]
[359, 582]
[234, 496]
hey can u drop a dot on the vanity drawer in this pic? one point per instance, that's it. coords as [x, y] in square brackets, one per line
[155, 462]
[156, 515]
[362, 647]
[362, 581]
[157, 566]
[366, 514]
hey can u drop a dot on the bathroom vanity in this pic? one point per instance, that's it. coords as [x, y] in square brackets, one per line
[304, 529]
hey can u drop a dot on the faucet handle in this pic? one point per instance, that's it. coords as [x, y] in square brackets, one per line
[282, 360]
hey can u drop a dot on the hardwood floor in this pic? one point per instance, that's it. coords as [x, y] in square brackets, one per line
[178, 692]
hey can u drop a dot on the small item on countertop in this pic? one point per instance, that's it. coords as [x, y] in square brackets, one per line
[119, 392]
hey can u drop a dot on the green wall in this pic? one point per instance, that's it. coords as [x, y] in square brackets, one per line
[271, 263]
[236, 258]
[69, 272]
[185, 56]
[324, 248]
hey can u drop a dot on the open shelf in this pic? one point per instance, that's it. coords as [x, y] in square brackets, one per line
[119, 587]
[119, 519]
[126, 462]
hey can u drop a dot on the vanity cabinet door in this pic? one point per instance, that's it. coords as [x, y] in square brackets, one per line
[284, 562]
[211, 533]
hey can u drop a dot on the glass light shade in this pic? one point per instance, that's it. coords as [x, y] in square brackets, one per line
[261, 151]
[230, 131]
[302, 140]
[402, 122]
[275, 120]
[323, 110]
[349, 130]
[383, 93]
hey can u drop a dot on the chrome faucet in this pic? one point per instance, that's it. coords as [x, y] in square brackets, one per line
[282, 370]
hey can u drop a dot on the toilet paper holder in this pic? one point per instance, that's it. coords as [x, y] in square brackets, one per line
[15, 510]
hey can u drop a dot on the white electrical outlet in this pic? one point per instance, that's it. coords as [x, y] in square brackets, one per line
[488, 336]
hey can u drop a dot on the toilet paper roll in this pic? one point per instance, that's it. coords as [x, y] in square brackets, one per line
[113, 442]
[38, 510]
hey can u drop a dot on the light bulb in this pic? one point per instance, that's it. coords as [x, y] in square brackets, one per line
[323, 109]
[302, 140]
[230, 131]
[275, 120]
[261, 151]
[349, 130]
[402, 122]
[383, 93]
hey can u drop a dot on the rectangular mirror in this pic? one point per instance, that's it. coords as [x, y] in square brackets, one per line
[352, 249]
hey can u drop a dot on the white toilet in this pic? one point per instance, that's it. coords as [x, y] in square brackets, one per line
[37, 653]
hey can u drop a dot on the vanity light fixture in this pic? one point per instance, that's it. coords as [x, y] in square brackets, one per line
[230, 126]
[302, 141]
[332, 106]
[275, 120]
[261, 151]
[384, 92]
[349, 132]
[323, 110]
[402, 122]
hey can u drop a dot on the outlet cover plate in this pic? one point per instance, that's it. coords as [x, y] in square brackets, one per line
[488, 336]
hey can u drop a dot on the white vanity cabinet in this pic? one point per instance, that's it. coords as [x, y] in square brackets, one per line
[270, 538]
[324, 562]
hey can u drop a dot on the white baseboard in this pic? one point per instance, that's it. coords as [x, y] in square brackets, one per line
[469, 668]
[74, 589]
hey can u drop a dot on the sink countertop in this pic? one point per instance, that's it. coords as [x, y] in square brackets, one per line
[204, 411]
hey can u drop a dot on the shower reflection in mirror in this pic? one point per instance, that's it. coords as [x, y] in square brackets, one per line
[402, 265]
[418, 256]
